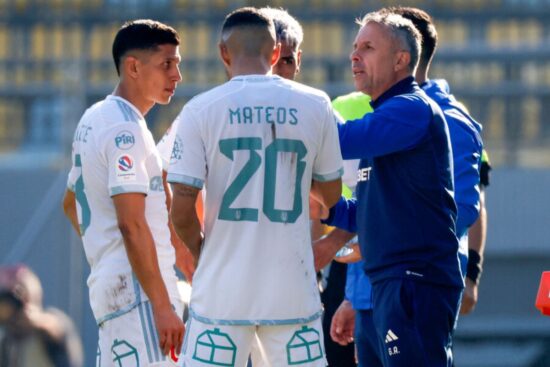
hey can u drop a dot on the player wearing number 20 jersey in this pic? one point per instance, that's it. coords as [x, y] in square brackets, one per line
[255, 143]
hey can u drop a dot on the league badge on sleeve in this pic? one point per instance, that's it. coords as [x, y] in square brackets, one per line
[125, 170]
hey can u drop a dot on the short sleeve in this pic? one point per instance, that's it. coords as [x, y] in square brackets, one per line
[166, 146]
[126, 151]
[328, 163]
[188, 163]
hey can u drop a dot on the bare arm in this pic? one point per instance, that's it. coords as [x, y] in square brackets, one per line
[476, 242]
[325, 248]
[184, 258]
[185, 219]
[142, 254]
[69, 208]
[327, 193]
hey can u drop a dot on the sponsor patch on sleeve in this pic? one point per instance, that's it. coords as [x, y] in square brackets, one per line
[125, 169]
[124, 140]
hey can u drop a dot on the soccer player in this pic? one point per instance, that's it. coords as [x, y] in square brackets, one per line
[404, 212]
[115, 200]
[290, 35]
[258, 144]
[467, 154]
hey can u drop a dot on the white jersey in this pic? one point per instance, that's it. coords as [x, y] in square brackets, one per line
[114, 153]
[256, 142]
[168, 147]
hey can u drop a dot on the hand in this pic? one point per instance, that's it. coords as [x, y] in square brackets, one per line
[316, 209]
[343, 324]
[185, 262]
[469, 297]
[353, 257]
[170, 329]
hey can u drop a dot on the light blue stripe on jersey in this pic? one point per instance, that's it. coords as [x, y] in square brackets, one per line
[129, 114]
[206, 320]
[144, 330]
[117, 190]
[152, 331]
[186, 180]
[329, 177]
[186, 337]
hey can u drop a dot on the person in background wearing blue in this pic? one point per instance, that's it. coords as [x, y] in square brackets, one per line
[404, 213]
[467, 146]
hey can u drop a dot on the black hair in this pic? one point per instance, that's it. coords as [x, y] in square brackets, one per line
[142, 34]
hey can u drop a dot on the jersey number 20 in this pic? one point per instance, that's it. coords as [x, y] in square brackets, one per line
[228, 146]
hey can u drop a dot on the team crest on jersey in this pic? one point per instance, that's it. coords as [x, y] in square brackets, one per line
[124, 140]
[125, 170]
[177, 150]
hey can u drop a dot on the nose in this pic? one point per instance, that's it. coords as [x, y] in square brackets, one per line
[353, 55]
[177, 76]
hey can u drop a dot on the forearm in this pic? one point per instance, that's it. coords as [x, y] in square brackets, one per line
[69, 208]
[142, 254]
[189, 231]
[184, 218]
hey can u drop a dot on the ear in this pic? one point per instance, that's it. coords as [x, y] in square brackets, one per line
[298, 61]
[402, 60]
[224, 54]
[276, 53]
[130, 66]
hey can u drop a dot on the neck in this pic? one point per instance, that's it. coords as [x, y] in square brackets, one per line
[421, 74]
[133, 95]
[248, 66]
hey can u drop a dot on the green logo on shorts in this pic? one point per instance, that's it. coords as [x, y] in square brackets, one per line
[304, 346]
[124, 354]
[215, 348]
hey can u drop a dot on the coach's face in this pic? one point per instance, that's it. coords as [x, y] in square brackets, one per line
[373, 60]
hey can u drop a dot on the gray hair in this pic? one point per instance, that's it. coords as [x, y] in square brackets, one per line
[402, 30]
[287, 28]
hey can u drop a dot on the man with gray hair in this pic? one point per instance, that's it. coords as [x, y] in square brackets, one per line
[290, 35]
[404, 212]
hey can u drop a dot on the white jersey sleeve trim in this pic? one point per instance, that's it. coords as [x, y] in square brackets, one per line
[329, 177]
[126, 189]
[210, 321]
[186, 180]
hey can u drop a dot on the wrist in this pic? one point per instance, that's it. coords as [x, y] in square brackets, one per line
[474, 269]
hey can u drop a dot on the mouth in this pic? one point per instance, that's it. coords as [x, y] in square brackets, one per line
[171, 90]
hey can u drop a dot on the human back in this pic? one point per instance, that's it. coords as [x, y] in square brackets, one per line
[262, 137]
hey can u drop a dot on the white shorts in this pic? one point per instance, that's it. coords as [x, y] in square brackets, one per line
[131, 340]
[267, 345]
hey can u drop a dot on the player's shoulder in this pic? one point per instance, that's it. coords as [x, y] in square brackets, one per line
[305, 90]
[209, 97]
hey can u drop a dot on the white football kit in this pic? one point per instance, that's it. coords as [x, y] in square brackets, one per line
[114, 153]
[255, 143]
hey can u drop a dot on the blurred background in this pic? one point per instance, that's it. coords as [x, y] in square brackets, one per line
[55, 61]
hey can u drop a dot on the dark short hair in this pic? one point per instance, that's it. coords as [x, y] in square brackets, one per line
[142, 34]
[287, 28]
[247, 17]
[424, 23]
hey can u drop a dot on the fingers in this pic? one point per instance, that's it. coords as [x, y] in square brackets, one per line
[180, 341]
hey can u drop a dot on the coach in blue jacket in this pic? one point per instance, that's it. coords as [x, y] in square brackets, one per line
[404, 213]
